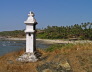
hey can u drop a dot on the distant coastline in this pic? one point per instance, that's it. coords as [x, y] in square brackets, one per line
[50, 41]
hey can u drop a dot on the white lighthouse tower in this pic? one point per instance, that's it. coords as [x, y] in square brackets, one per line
[30, 33]
[31, 55]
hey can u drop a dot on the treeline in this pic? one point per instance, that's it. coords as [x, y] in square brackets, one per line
[16, 33]
[79, 31]
[82, 31]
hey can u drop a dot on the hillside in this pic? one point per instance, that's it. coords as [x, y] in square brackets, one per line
[10, 34]
[81, 31]
[57, 58]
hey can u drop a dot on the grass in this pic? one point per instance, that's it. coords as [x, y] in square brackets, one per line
[79, 56]
[69, 46]
[54, 47]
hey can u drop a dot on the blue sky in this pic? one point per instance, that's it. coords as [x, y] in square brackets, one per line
[13, 13]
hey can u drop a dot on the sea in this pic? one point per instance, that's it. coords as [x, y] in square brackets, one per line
[7, 46]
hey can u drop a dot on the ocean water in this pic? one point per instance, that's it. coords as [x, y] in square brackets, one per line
[11, 46]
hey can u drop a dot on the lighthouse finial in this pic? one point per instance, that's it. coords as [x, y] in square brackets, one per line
[30, 18]
[31, 14]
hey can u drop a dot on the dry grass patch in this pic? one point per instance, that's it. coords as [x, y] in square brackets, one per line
[78, 55]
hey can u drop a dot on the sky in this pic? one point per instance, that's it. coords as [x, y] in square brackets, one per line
[13, 13]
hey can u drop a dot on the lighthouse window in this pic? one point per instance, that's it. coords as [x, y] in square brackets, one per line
[29, 34]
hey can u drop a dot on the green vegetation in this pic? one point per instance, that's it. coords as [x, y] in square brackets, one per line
[83, 31]
[58, 47]
[54, 47]
[16, 33]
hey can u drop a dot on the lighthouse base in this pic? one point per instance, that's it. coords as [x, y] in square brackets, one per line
[29, 57]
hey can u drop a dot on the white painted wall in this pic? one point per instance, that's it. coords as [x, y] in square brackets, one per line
[30, 40]
[29, 43]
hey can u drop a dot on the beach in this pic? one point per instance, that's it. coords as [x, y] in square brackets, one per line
[46, 41]
[53, 41]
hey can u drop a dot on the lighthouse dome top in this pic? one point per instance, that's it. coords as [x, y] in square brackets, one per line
[30, 19]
